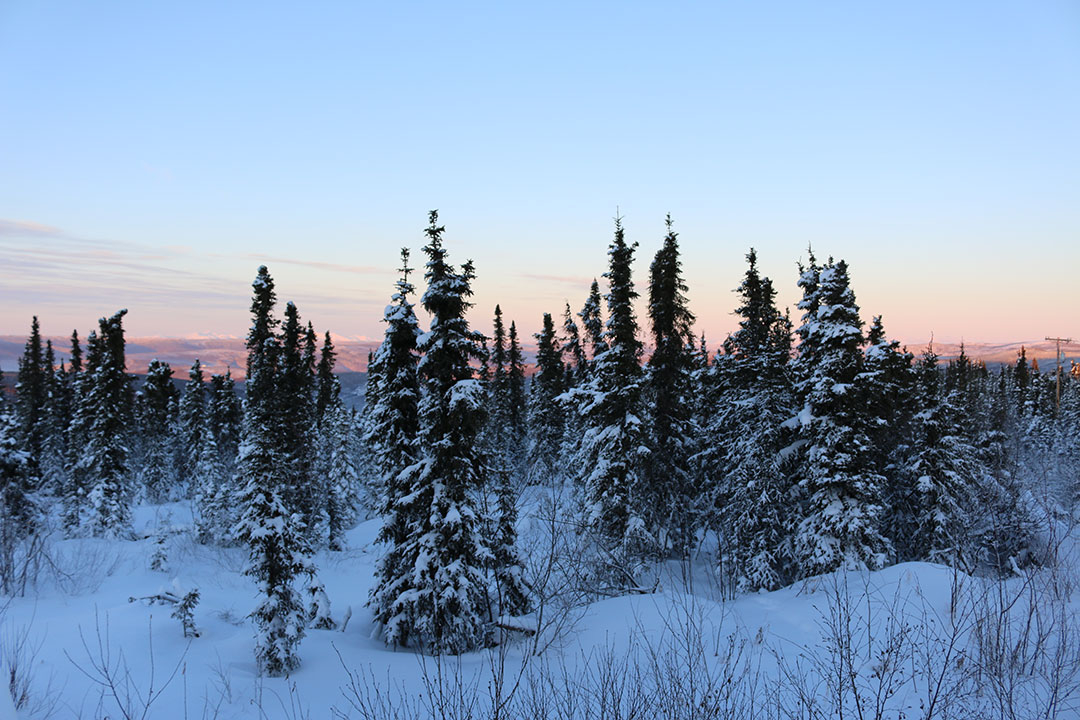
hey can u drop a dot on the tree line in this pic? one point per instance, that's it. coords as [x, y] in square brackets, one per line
[798, 447]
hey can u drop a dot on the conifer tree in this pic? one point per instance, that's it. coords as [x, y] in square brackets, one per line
[573, 353]
[18, 513]
[226, 414]
[327, 386]
[392, 433]
[295, 411]
[438, 598]
[193, 423]
[841, 522]
[30, 397]
[614, 441]
[78, 482]
[157, 409]
[276, 548]
[57, 414]
[342, 471]
[887, 383]
[592, 323]
[546, 419]
[673, 433]
[749, 467]
[105, 458]
[212, 490]
[516, 405]
[943, 471]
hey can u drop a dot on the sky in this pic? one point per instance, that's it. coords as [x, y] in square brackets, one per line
[152, 155]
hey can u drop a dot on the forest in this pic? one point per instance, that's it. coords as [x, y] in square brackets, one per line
[501, 501]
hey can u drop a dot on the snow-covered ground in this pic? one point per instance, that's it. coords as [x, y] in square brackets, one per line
[909, 641]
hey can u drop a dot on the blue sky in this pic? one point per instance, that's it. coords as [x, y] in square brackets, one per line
[152, 154]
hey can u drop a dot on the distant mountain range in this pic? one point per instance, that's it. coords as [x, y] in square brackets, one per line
[219, 353]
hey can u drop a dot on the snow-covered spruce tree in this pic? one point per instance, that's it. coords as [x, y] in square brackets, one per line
[107, 405]
[76, 484]
[276, 549]
[841, 519]
[342, 472]
[888, 383]
[296, 412]
[30, 397]
[226, 414]
[614, 439]
[672, 496]
[943, 471]
[517, 404]
[18, 515]
[212, 490]
[327, 387]
[438, 599]
[193, 417]
[592, 323]
[393, 425]
[495, 374]
[156, 407]
[546, 418]
[57, 414]
[749, 467]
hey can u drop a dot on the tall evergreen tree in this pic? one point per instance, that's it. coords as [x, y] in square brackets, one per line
[30, 398]
[105, 457]
[327, 386]
[393, 429]
[592, 323]
[841, 522]
[749, 467]
[193, 423]
[18, 514]
[673, 432]
[296, 412]
[438, 602]
[276, 547]
[943, 470]
[226, 414]
[157, 410]
[516, 404]
[546, 419]
[614, 442]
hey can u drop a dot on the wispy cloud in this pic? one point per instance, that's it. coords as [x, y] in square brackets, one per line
[25, 228]
[561, 279]
[335, 267]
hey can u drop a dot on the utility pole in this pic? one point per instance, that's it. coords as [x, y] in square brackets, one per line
[1058, 341]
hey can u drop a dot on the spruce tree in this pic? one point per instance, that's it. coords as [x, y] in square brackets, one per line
[749, 468]
[193, 423]
[106, 405]
[30, 397]
[437, 598]
[342, 471]
[327, 386]
[673, 501]
[392, 433]
[226, 414]
[546, 418]
[943, 471]
[157, 410]
[841, 521]
[614, 439]
[887, 383]
[517, 411]
[17, 511]
[276, 548]
[592, 323]
[56, 415]
[295, 410]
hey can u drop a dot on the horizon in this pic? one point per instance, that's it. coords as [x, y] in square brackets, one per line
[164, 154]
